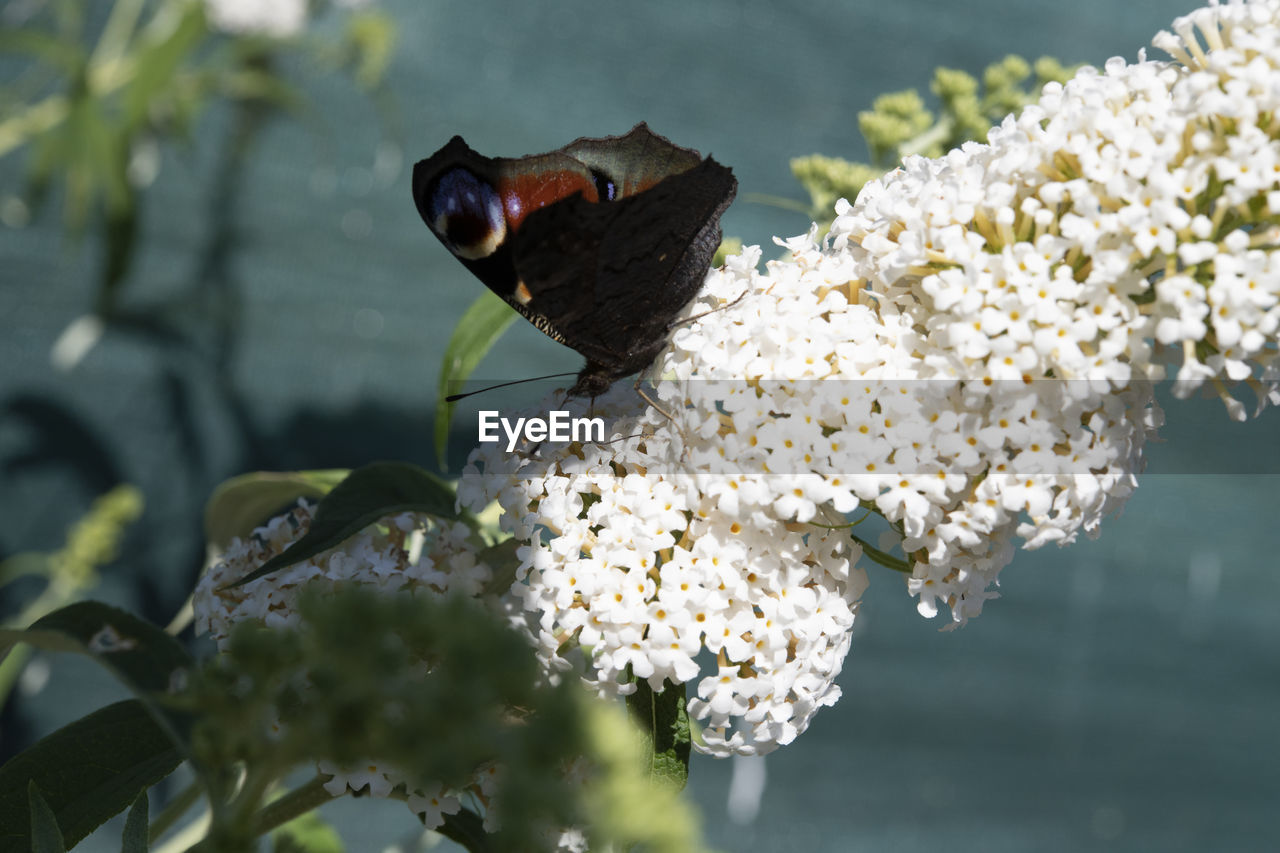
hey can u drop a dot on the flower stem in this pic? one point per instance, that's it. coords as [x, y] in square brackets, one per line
[173, 810]
[297, 802]
[878, 556]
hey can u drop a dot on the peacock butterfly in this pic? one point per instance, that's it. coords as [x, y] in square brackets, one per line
[599, 244]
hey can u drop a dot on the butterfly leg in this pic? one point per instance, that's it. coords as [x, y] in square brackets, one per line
[688, 320]
[684, 442]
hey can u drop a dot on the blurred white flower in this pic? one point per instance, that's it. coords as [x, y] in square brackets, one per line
[274, 18]
[408, 553]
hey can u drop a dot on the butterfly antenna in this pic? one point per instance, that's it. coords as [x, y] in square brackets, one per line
[453, 398]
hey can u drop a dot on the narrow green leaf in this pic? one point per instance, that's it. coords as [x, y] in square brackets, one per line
[242, 503]
[134, 838]
[63, 155]
[66, 55]
[367, 494]
[45, 835]
[87, 771]
[105, 151]
[473, 337]
[157, 61]
[664, 719]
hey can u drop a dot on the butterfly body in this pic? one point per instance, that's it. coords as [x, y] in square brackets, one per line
[599, 244]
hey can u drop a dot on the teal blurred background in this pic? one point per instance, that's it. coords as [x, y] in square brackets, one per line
[290, 310]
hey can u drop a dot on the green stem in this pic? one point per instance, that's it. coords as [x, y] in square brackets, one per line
[176, 808]
[297, 802]
[934, 135]
[118, 31]
[846, 526]
[776, 201]
[11, 668]
[886, 560]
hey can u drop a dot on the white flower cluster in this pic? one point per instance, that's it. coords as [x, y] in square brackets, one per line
[275, 18]
[405, 553]
[643, 566]
[968, 353]
[271, 18]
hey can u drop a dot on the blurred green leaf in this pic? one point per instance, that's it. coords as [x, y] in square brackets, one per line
[68, 56]
[87, 771]
[664, 720]
[134, 837]
[88, 153]
[466, 829]
[473, 337]
[367, 494]
[259, 84]
[372, 36]
[728, 246]
[145, 659]
[503, 560]
[69, 15]
[46, 837]
[140, 654]
[306, 834]
[157, 60]
[242, 503]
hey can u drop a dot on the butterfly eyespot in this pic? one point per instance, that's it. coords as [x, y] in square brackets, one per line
[606, 189]
[466, 213]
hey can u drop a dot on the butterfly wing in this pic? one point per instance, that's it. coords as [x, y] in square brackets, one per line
[599, 244]
[610, 277]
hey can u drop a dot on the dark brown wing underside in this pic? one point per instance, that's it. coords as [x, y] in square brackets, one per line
[613, 275]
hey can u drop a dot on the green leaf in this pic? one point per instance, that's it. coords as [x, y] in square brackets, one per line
[157, 61]
[308, 833]
[134, 838]
[242, 503]
[46, 837]
[466, 828]
[68, 56]
[366, 495]
[146, 659]
[372, 35]
[473, 337]
[252, 84]
[664, 720]
[140, 654]
[504, 562]
[90, 153]
[88, 771]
